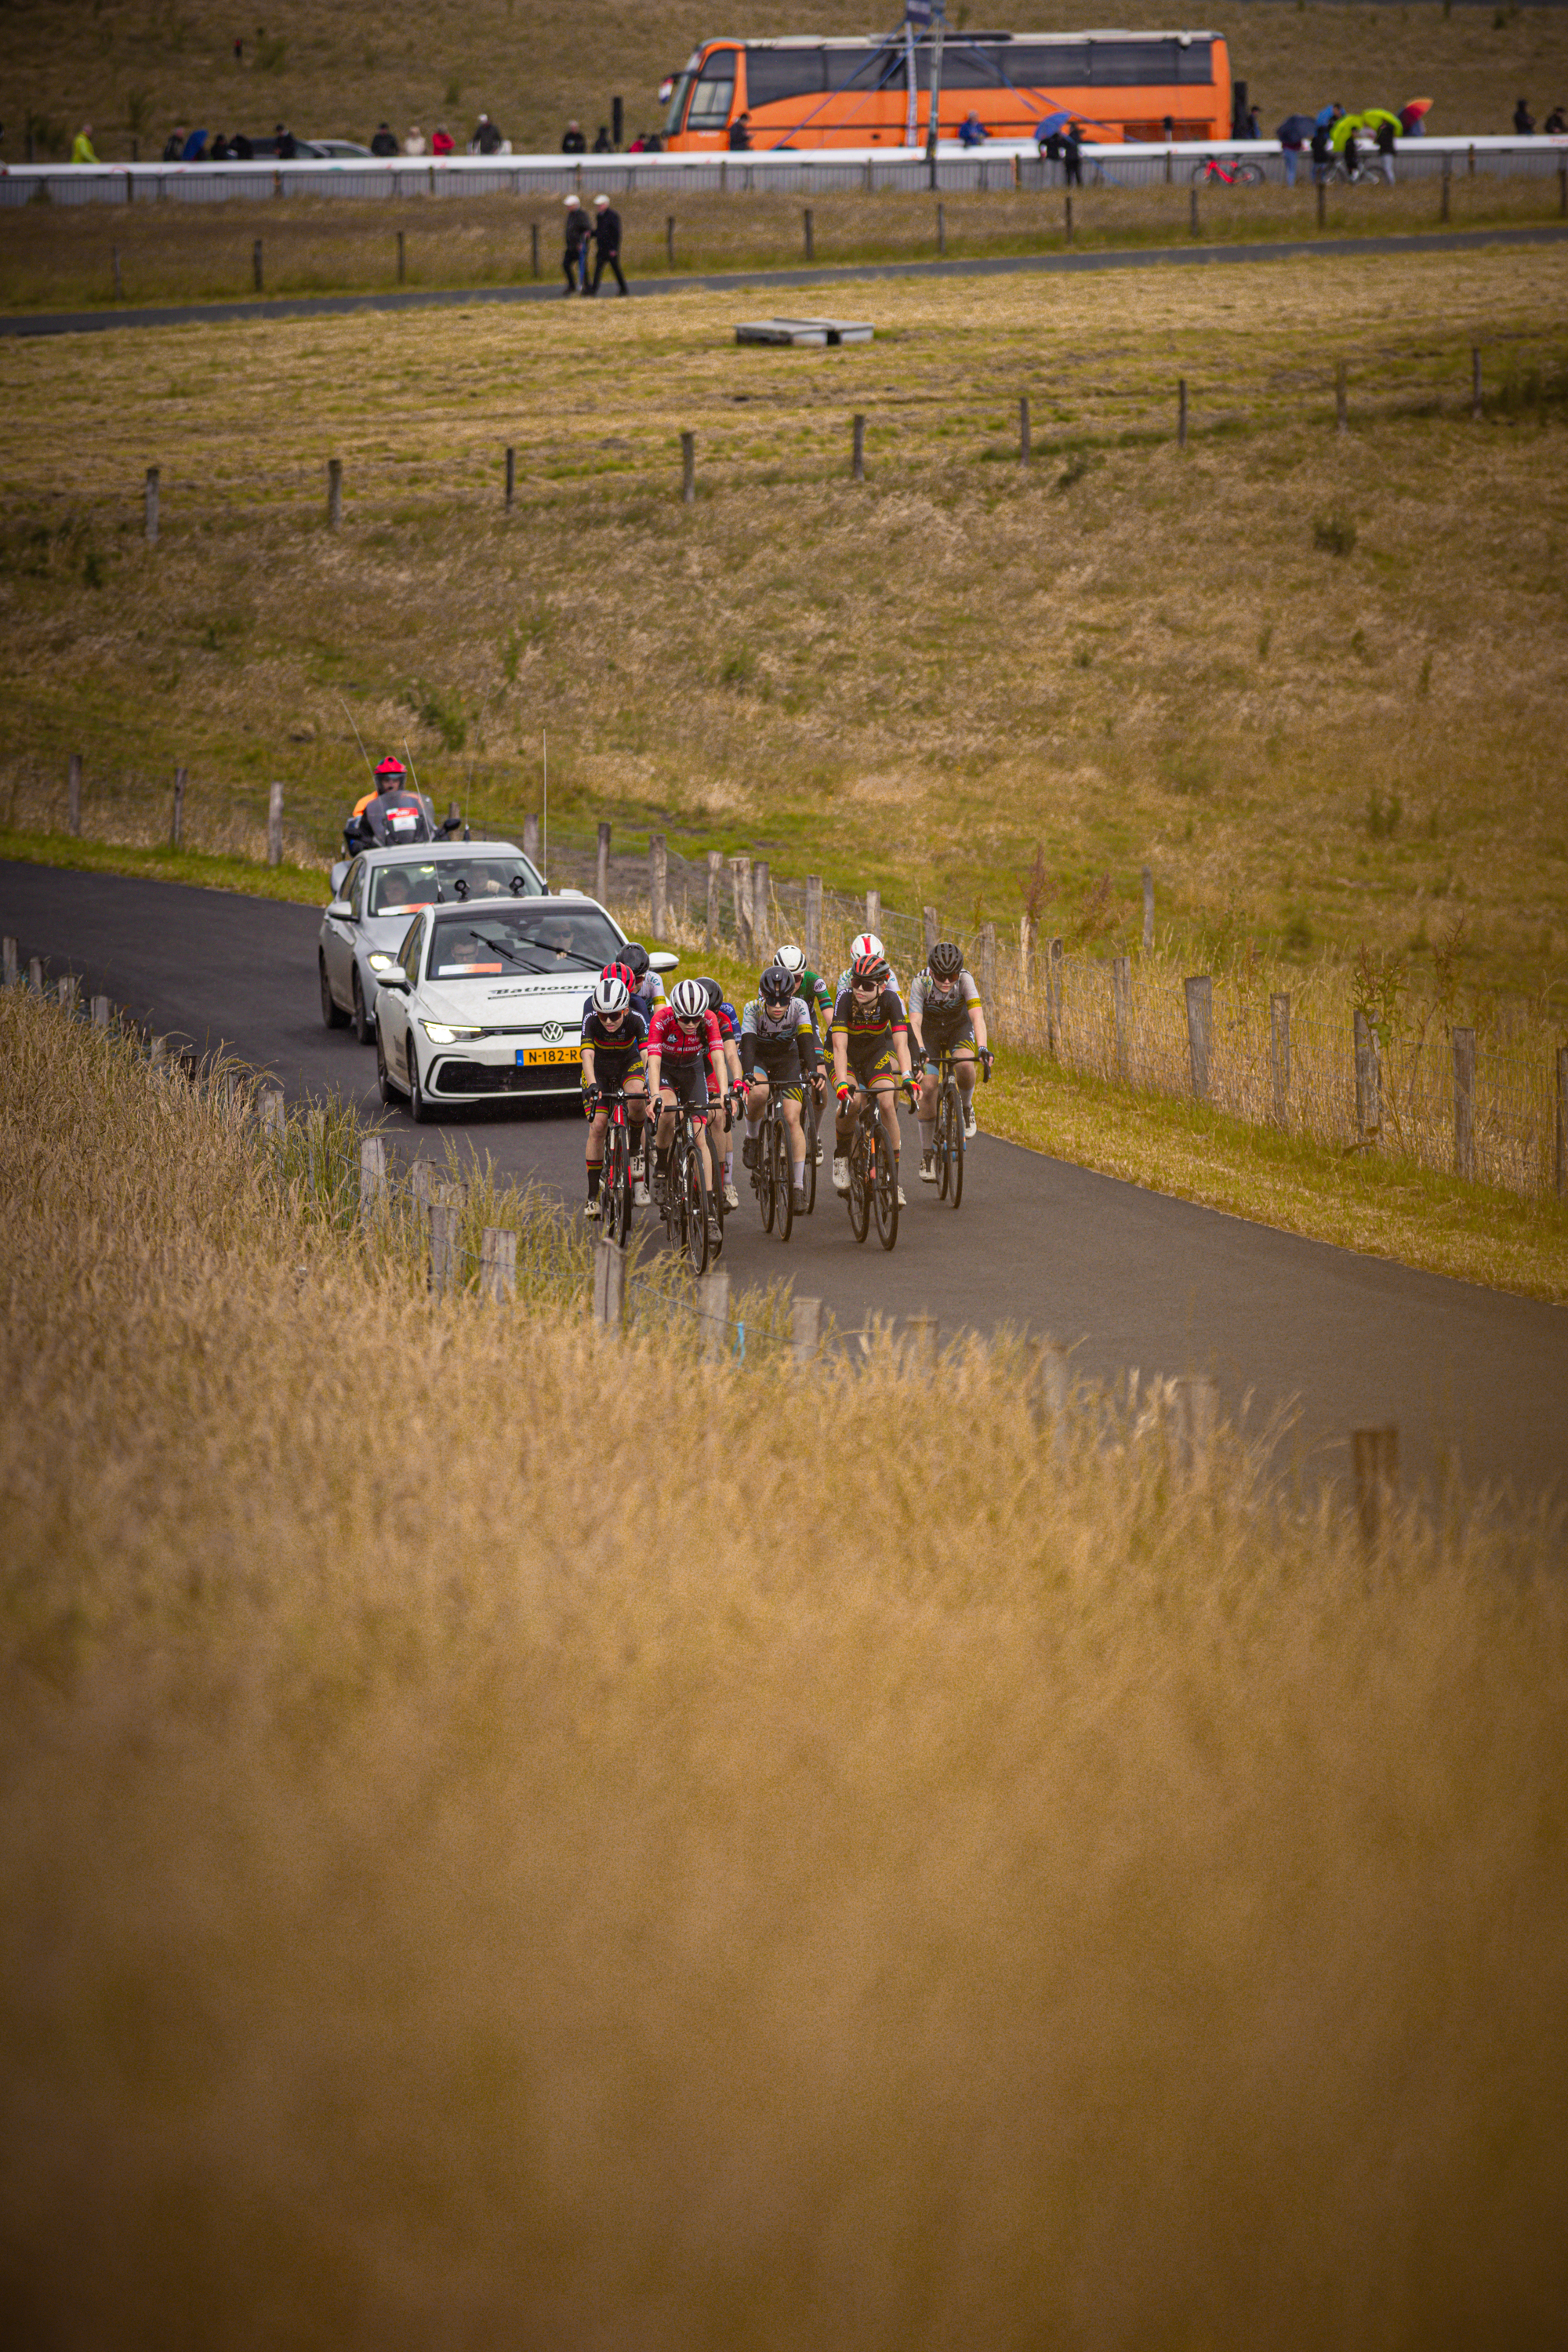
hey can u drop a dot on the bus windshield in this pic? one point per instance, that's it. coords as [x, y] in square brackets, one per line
[676, 105]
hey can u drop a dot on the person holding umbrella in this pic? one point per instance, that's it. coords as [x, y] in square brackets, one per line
[1385, 128]
[1293, 134]
[1413, 117]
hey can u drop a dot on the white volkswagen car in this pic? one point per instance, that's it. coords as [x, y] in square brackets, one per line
[485, 1001]
[377, 897]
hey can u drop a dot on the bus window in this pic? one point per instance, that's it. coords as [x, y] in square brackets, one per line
[775, 74]
[714, 93]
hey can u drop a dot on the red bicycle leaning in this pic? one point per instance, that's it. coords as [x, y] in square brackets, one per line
[1229, 175]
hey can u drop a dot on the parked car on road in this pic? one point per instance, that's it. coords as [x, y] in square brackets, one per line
[377, 897]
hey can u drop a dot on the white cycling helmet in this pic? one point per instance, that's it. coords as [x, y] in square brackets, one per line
[611, 994]
[688, 1000]
[790, 959]
[867, 944]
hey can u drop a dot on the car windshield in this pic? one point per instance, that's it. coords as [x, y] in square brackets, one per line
[440, 881]
[540, 935]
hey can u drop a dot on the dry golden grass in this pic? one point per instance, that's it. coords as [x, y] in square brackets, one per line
[468, 1882]
[344, 68]
[1126, 655]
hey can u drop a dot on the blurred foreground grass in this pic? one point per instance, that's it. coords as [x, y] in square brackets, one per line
[489, 1863]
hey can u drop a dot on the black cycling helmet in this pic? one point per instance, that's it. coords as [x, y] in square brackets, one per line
[945, 962]
[715, 994]
[635, 958]
[777, 985]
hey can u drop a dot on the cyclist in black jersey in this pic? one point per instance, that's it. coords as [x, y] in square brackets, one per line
[778, 1051]
[870, 1054]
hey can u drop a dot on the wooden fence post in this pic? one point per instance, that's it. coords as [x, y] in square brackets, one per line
[371, 1177]
[1465, 1104]
[1182, 413]
[1342, 404]
[1562, 1122]
[689, 469]
[1054, 972]
[658, 886]
[35, 975]
[713, 1314]
[275, 825]
[498, 1264]
[809, 226]
[715, 883]
[66, 991]
[986, 975]
[919, 1343]
[1196, 1403]
[762, 913]
[602, 867]
[444, 1260]
[1045, 1387]
[533, 235]
[1121, 996]
[813, 919]
[1375, 1455]
[178, 815]
[258, 278]
[805, 1329]
[530, 836]
[1066, 223]
[874, 912]
[669, 241]
[100, 1012]
[401, 261]
[1028, 950]
[335, 493]
[73, 793]
[269, 1111]
[10, 963]
[1368, 1079]
[511, 476]
[1200, 1030]
[941, 231]
[1280, 1054]
[928, 919]
[858, 450]
[740, 892]
[1476, 384]
[1323, 205]
[1148, 911]
[1023, 430]
[609, 1286]
[1193, 211]
[150, 508]
[1443, 207]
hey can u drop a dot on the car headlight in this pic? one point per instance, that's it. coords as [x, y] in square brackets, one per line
[441, 1034]
[379, 963]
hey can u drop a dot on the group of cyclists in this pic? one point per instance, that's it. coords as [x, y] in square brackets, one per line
[694, 1049]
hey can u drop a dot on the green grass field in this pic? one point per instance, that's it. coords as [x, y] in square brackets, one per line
[135, 66]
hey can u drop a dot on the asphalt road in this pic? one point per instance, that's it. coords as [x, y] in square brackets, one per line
[1126, 1277]
[760, 281]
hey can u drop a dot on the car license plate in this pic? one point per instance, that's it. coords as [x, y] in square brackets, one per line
[533, 1054]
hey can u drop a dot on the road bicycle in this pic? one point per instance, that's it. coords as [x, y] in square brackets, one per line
[684, 1196]
[811, 1121]
[948, 1146]
[1229, 173]
[771, 1179]
[873, 1175]
[616, 1182]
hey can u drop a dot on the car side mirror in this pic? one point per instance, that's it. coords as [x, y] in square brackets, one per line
[337, 875]
[341, 912]
[396, 978]
[662, 960]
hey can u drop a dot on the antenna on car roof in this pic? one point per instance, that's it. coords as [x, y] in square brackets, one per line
[365, 755]
[411, 768]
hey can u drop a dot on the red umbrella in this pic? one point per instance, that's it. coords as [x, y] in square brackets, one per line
[1413, 111]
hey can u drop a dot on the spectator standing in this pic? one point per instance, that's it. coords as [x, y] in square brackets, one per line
[1290, 150]
[1556, 123]
[239, 53]
[741, 133]
[602, 145]
[221, 151]
[1523, 121]
[653, 145]
[175, 146]
[415, 142]
[486, 137]
[972, 132]
[574, 144]
[1322, 153]
[577, 232]
[639, 145]
[1254, 124]
[384, 143]
[441, 141]
[1051, 145]
[1352, 153]
[1072, 155]
[240, 149]
[82, 149]
[1385, 149]
[287, 146]
[606, 243]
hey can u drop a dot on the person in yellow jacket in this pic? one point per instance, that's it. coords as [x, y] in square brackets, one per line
[81, 146]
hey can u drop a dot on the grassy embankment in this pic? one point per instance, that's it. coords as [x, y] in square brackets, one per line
[328, 70]
[57, 257]
[460, 1887]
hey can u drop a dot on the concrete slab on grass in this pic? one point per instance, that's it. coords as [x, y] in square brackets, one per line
[804, 330]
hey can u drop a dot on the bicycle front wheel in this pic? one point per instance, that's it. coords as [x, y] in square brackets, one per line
[696, 1208]
[762, 1176]
[885, 1196]
[812, 1132]
[784, 1197]
[953, 1162]
[616, 1186]
[1250, 175]
[859, 1198]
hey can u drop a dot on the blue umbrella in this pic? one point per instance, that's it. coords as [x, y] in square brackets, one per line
[1297, 127]
[194, 148]
[1324, 118]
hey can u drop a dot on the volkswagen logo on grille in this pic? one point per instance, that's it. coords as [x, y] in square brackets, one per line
[552, 1033]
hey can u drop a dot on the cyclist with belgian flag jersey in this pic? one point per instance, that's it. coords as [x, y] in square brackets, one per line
[870, 1052]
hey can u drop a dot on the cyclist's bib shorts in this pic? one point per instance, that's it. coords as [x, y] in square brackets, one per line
[945, 1036]
[870, 1062]
[688, 1082]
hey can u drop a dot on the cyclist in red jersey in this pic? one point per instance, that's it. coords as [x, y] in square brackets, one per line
[685, 1055]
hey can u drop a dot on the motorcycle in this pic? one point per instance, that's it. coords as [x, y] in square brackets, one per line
[397, 820]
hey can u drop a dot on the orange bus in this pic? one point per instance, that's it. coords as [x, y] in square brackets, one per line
[800, 91]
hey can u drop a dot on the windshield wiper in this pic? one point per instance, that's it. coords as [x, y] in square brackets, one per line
[501, 947]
